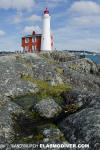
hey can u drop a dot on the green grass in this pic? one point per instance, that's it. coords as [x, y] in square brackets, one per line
[19, 59]
[47, 90]
[29, 140]
[60, 71]
[74, 66]
[49, 59]
[47, 125]
[36, 116]
[36, 135]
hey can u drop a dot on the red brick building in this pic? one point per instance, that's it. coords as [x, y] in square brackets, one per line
[32, 43]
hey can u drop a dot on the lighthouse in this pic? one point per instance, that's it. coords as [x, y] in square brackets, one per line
[46, 35]
[39, 42]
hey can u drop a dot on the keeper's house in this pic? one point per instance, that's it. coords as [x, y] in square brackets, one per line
[32, 43]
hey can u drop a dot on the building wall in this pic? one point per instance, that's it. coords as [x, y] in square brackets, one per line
[31, 45]
[38, 43]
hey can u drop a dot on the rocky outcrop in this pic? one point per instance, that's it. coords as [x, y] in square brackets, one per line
[98, 65]
[79, 98]
[7, 109]
[84, 65]
[84, 125]
[11, 83]
[48, 108]
[40, 69]
[44, 68]
[81, 81]
[45, 76]
[59, 56]
[51, 134]
[48, 134]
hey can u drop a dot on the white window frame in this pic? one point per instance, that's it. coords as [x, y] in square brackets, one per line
[26, 48]
[34, 39]
[26, 40]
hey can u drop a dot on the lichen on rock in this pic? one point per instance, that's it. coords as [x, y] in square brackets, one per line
[48, 108]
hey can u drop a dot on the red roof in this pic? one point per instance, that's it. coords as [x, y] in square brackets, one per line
[46, 11]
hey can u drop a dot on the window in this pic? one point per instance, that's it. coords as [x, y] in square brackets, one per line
[33, 48]
[26, 48]
[34, 39]
[26, 40]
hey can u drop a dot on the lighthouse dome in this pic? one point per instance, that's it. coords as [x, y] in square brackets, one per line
[46, 11]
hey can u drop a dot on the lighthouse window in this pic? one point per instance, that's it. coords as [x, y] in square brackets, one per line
[26, 40]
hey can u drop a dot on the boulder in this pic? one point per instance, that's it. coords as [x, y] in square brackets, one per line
[79, 98]
[80, 81]
[51, 132]
[48, 108]
[53, 136]
[7, 133]
[83, 127]
[84, 65]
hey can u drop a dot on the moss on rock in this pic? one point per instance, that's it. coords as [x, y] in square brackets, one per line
[22, 62]
[36, 116]
[60, 71]
[47, 90]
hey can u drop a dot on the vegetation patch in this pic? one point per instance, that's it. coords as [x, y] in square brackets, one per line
[2, 104]
[62, 138]
[47, 90]
[19, 59]
[71, 108]
[74, 66]
[28, 140]
[36, 116]
[36, 135]
[60, 71]
[48, 59]
[50, 125]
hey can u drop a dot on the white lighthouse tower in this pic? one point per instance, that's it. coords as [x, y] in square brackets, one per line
[46, 35]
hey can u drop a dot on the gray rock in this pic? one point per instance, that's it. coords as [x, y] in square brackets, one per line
[79, 98]
[7, 133]
[60, 56]
[84, 126]
[51, 132]
[11, 83]
[81, 81]
[84, 65]
[52, 135]
[48, 108]
[41, 68]
[80, 127]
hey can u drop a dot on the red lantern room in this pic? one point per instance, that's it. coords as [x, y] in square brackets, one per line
[46, 11]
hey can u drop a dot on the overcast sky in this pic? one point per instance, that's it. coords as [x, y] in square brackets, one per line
[75, 24]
